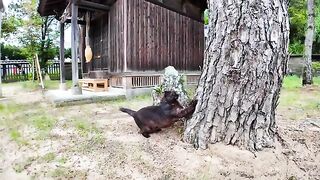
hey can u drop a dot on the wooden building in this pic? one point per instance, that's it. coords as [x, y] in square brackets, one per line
[133, 40]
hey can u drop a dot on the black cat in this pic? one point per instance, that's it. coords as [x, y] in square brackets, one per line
[151, 119]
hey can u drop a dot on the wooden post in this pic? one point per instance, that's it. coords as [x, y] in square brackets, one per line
[74, 53]
[87, 64]
[33, 71]
[109, 42]
[125, 36]
[62, 69]
[87, 28]
[82, 50]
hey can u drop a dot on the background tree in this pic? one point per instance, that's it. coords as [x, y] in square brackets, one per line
[12, 52]
[298, 24]
[316, 44]
[36, 34]
[307, 74]
[10, 25]
[67, 53]
[244, 65]
[1, 11]
[39, 32]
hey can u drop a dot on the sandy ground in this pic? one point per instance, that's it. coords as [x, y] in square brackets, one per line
[96, 141]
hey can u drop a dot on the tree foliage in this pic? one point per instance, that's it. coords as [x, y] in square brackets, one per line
[67, 53]
[12, 52]
[298, 25]
[36, 34]
[10, 25]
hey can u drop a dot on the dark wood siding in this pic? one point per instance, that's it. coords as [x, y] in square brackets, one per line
[158, 37]
[116, 38]
[107, 39]
[95, 34]
[148, 38]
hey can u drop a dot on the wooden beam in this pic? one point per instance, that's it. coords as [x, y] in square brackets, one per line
[174, 10]
[74, 48]
[81, 50]
[125, 37]
[87, 40]
[62, 69]
[87, 28]
[81, 22]
[92, 5]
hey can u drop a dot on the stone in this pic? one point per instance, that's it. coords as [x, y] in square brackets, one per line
[172, 81]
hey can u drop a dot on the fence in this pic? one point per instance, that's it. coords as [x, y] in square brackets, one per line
[22, 70]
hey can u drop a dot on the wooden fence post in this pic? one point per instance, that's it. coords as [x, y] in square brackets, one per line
[39, 71]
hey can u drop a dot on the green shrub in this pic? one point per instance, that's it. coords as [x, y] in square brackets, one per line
[296, 47]
[316, 68]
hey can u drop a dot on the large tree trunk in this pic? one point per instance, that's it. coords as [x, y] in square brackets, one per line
[307, 74]
[244, 65]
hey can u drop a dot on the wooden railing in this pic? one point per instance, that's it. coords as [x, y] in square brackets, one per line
[146, 80]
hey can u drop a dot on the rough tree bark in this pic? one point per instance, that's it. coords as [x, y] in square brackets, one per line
[245, 61]
[307, 74]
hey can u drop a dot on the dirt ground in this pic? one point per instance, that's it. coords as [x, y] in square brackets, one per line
[96, 141]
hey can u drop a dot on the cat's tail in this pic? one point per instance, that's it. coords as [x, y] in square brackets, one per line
[126, 110]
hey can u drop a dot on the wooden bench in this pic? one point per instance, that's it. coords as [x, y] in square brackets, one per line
[94, 84]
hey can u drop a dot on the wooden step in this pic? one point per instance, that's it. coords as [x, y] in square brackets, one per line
[94, 84]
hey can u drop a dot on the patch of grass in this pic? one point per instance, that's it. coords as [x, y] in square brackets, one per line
[87, 146]
[66, 173]
[291, 82]
[2, 107]
[301, 98]
[48, 157]
[10, 108]
[62, 160]
[131, 103]
[43, 124]
[54, 84]
[14, 117]
[35, 85]
[142, 97]
[15, 135]
[289, 97]
[59, 172]
[30, 85]
[19, 167]
[316, 81]
[299, 103]
[84, 127]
